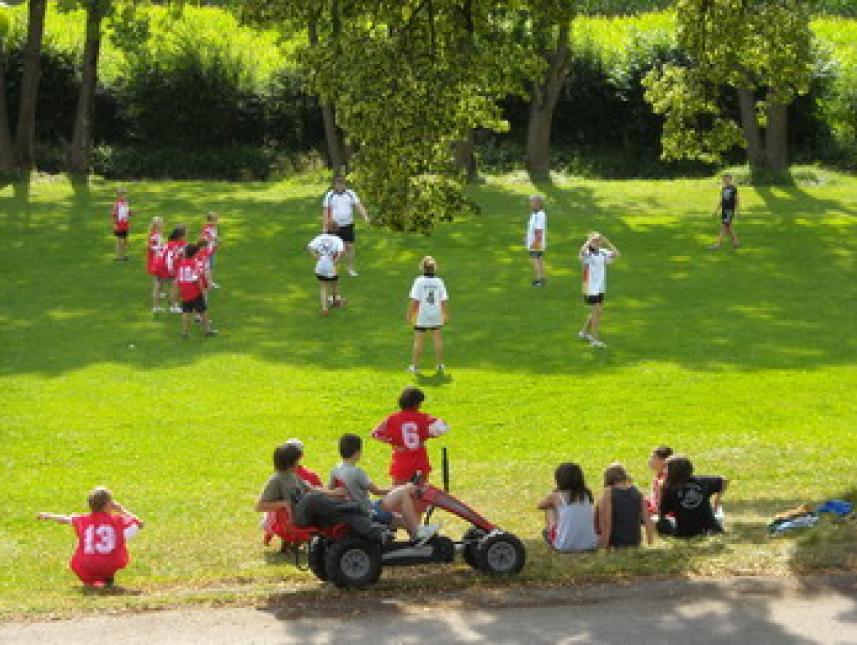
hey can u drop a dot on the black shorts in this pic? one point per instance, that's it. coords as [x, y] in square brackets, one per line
[537, 254]
[197, 305]
[324, 278]
[594, 300]
[345, 233]
[121, 234]
[435, 328]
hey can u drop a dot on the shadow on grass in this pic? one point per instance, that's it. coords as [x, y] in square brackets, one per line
[68, 306]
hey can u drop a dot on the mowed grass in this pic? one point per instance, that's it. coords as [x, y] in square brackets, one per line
[743, 360]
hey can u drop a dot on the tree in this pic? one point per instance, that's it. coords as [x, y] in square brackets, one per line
[81, 140]
[407, 92]
[7, 158]
[25, 132]
[550, 24]
[759, 49]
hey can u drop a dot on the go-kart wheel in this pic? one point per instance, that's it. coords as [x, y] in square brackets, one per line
[501, 555]
[471, 545]
[315, 556]
[352, 562]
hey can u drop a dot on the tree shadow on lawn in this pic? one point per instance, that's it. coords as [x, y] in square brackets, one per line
[669, 300]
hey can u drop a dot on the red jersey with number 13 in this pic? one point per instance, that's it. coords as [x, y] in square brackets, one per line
[101, 547]
[407, 431]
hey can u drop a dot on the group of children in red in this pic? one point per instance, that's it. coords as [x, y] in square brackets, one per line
[680, 504]
[180, 271]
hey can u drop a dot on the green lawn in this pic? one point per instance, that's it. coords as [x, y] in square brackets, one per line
[744, 360]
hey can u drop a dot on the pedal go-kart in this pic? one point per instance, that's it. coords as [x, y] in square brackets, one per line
[350, 561]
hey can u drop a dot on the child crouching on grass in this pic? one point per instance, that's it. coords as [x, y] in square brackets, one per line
[621, 511]
[101, 537]
[569, 514]
[327, 249]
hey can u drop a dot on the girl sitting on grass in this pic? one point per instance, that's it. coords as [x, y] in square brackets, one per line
[622, 510]
[692, 500]
[569, 515]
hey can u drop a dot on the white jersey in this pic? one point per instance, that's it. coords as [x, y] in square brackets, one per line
[326, 247]
[538, 222]
[429, 292]
[341, 206]
[595, 271]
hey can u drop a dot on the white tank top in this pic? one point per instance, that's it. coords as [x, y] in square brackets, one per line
[575, 527]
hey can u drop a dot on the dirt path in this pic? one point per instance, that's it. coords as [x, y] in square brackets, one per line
[744, 610]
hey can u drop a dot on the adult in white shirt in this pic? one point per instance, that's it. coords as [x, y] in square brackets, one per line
[327, 249]
[337, 217]
[595, 257]
[537, 238]
[427, 312]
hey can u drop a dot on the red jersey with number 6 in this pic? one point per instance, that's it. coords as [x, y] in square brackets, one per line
[101, 550]
[407, 431]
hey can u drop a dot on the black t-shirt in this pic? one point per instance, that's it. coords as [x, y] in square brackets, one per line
[691, 505]
[729, 199]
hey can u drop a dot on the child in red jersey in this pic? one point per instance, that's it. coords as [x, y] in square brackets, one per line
[169, 262]
[101, 537]
[154, 251]
[121, 224]
[407, 431]
[209, 234]
[191, 286]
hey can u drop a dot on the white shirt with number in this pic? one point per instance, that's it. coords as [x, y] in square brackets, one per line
[341, 206]
[326, 247]
[429, 292]
[538, 222]
[595, 271]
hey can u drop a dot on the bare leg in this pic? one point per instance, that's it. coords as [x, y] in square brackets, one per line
[419, 337]
[732, 235]
[400, 500]
[437, 341]
[156, 293]
[323, 295]
[539, 267]
[595, 319]
[185, 323]
[350, 255]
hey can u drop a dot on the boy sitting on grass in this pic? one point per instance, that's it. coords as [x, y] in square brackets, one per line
[101, 537]
[396, 509]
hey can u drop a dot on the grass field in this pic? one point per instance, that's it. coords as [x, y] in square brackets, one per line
[744, 360]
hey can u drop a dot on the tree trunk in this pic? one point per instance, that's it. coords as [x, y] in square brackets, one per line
[81, 140]
[336, 156]
[465, 159]
[777, 138]
[25, 132]
[542, 105]
[750, 126]
[7, 157]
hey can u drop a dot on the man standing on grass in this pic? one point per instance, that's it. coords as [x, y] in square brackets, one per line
[595, 259]
[337, 217]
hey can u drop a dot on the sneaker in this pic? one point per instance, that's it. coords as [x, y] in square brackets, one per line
[582, 335]
[339, 302]
[538, 283]
[425, 533]
[211, 332]
[158, 310]
[325, 312]
[214, 285]
[713, 247]
[175, 310]
[185, 335]
[412, 369]
[597, 343]
[440, 368]
[353, 273]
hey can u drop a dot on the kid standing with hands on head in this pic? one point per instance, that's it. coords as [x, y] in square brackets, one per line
[327, 250]
[569, 514]
[101, 537]
[121, 224]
